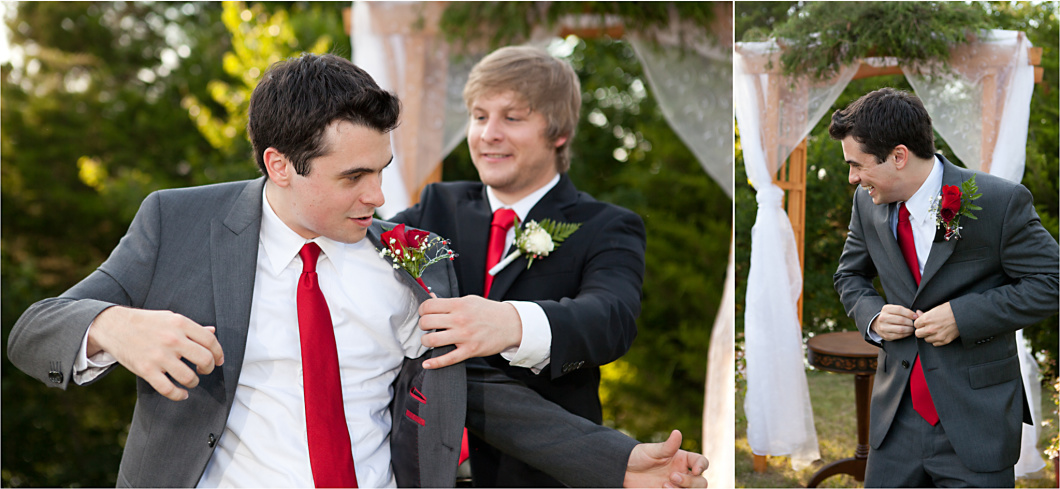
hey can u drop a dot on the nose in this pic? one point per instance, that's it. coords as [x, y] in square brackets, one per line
[490, 130]
[373, 195]
[853, 177]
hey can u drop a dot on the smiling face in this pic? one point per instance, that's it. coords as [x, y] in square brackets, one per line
[508, 146]
[880, 180]
[339, 196]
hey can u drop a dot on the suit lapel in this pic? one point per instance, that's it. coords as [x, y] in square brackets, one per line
[233, 259]
[941, 249]
[472, 233]
[881, 217]
[551, 206]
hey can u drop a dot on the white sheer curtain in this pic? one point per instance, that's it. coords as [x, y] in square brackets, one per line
[694, 90]
[987, 98]
[398, 43]
[775, 113]
[690, 76]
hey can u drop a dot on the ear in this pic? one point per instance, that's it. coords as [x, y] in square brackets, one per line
[280, 169]
[560, 141]
[901, 156]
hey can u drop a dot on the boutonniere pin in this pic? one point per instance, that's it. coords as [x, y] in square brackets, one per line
[953, 203]
[536, 241]
[413, 250]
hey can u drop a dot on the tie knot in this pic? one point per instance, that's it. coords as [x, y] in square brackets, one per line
[903, 212]
[309, 253]
[504, 218]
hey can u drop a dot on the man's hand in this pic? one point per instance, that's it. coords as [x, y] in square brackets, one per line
[665, 465]
[937, 326]
[151, 344]
[894, 322]
[478, 327]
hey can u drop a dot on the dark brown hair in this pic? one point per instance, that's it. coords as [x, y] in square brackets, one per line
[298, 98]
[883, 119]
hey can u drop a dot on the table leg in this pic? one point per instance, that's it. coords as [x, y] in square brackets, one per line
[855, 465]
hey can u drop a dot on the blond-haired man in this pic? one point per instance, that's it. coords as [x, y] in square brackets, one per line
[553, 323]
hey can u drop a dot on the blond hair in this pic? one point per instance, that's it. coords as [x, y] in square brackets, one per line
[548, 85]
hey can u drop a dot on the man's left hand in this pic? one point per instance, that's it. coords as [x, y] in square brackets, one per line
[478, 327]
[937, 326]
[665, 465]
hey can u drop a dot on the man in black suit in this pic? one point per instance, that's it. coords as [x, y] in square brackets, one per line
[549, 322]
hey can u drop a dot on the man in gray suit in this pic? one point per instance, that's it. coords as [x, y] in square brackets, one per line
[948, 400]
[209, 297]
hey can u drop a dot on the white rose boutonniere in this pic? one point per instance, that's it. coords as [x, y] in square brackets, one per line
[537, 240]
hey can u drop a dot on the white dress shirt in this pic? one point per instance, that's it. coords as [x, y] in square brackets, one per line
[376, 325]
[921, 219]
[535, 349]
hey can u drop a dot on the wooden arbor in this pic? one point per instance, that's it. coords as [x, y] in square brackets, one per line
[791, 174]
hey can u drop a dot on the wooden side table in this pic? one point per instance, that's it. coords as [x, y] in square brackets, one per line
[847, 352]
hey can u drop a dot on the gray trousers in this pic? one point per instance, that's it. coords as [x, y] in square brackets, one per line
[916, 454]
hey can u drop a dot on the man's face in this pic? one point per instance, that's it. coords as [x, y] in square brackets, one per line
[343, 188]
[879, 179]
[508, 145]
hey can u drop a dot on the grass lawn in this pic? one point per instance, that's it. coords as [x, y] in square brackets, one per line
[832, 396]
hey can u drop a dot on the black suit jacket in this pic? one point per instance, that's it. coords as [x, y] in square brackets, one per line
[589, 288]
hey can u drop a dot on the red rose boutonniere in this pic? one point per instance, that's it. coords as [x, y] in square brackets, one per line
[411, 250]
[953, 203]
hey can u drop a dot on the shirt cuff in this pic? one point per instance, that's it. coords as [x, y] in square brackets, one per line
[535, 348]
[872, 331]
[87, 369]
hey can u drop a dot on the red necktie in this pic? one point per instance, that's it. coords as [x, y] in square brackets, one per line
[918, 388]
[502, 222]
[330, 454]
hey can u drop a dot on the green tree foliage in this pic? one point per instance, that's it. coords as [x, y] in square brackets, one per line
[625, 153]
[93, 121]
[828, 195]
[827, 35]
[503, 23]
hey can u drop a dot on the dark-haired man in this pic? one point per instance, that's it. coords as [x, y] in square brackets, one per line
[948, 398]
[551, 324]
[275, 347]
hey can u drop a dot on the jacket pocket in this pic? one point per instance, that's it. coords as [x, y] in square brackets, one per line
[973, 254]
[993, 373]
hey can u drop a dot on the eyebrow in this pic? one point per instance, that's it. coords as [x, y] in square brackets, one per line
[361, 170]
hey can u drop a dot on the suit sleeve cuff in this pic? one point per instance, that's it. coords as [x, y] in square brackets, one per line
[87, 369]
[535, 348]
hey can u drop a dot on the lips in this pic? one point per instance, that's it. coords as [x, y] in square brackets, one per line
[363, 221]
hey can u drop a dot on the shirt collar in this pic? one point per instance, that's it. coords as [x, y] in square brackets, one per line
[919, 204]
[282, 244]
[523, 206]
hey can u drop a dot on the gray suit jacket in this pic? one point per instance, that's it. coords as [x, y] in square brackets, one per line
[193, 251]
[999, 277]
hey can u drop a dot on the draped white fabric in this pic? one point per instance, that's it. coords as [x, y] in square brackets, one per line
[415, 63]
[986, 97]
[779, 414]
[991, 76]
[719, 412]
[694, 90]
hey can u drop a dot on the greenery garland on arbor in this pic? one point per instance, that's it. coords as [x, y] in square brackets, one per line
[821, 38]
[504, 23]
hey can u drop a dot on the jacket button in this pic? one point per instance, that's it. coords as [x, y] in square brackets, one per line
[55, 376]
[905, 363]
[211, 440]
